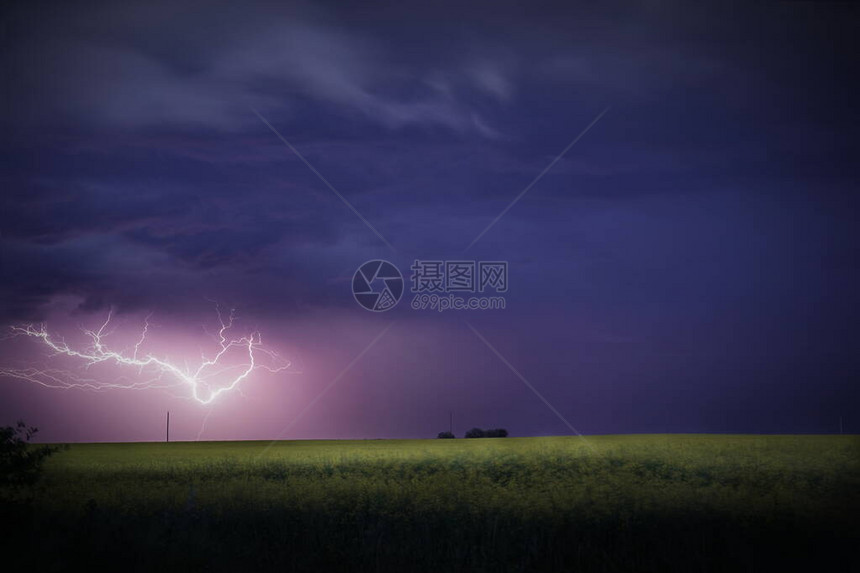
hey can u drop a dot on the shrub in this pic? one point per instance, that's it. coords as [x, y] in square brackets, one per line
[494, 433]
[445, 436]
[21, 462]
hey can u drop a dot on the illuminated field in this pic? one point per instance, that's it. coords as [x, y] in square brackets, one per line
[658, 502]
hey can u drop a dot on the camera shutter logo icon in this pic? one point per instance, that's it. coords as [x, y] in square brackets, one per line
[377, 286]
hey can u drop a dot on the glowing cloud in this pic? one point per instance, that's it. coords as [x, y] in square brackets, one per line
[233, 360]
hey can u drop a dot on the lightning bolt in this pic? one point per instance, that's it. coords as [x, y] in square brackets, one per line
[152, 372]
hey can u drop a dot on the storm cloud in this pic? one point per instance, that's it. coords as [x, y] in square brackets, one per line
[703, 231]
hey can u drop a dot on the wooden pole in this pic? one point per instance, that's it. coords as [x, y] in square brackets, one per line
[451, 422]
[167, 439]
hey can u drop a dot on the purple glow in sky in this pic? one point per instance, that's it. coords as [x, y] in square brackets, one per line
[231, 360]
[688, 265]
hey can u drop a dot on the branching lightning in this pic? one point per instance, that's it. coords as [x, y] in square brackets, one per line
[152, 372]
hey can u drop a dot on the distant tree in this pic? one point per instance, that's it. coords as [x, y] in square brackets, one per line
[20, 461]
[475, 433]
[494, 433]
[445, 436]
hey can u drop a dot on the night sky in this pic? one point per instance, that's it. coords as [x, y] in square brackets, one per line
[689, 265]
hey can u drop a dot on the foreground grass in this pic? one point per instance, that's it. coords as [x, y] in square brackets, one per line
[637, 503]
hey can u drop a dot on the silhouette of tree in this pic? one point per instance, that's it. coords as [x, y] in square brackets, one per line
[475, 433]
[494, 433]
[445, 436]
[20, 461]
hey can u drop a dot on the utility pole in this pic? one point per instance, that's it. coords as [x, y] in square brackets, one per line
[451, 422]
[168, 427]
[840, 424]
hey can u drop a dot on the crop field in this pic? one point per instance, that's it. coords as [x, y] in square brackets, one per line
[613, 503]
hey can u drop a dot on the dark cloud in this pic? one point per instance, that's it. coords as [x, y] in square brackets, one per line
[274, 59]
[709, 214]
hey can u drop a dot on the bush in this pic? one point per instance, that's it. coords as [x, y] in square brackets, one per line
[494, 433]
[445, 436]
[21, 462]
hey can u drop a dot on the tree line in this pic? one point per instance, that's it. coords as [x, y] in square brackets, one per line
[477, 433]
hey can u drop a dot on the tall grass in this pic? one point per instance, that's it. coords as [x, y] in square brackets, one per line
[678, 502]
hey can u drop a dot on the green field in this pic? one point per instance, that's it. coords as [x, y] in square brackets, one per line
[616, 503]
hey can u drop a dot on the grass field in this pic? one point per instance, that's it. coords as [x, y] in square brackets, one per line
[617, 503]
